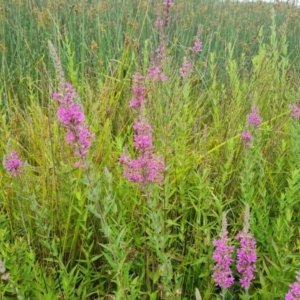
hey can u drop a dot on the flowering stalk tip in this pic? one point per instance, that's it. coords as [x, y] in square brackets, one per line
[246, 254]
[223, 258]
[71, 116]
[12, 163]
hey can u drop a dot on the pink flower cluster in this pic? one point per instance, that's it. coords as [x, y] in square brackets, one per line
[295, 114]
[246, 258]
[12, 163]
[155, 73]
[247, 137]
[197, 46]
[294, 292]
[71, 116]
[168, 4]
[146, 168]
[138, 91]
[254, 119]
[186, 69]
[223, 258]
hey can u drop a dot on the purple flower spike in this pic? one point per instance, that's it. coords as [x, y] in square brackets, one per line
[71, 116]
[294, 292]
[12, 163]
[246, 258]
[247, 137]
[254, 118]
[186, 69]
[223, 258]
[138, 91]
[146, 168]
[246, 255]
[295, 114]
[197, 46]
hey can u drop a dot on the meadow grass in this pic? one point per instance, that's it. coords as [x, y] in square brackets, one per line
[89, 233]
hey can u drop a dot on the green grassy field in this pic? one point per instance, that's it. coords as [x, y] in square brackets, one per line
[90, 233]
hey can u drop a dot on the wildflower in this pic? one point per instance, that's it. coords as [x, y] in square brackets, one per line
[146, 168]
[247, 137]
[294, 292]
[253, 118]
[167, 4]
[71, 116]
[223, 258]
[295, 114]
[159, 22]
[246, 258]
[155, 74]
[247, 253]
[12, 163]
[138, 91]
[185, 69]
[197, 46]
[143, 138]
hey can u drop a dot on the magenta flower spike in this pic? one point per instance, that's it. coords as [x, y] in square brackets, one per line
[72, 118]
[146, 168]
[246, 254]
[247, 137]
[295, 114]
[294, 292]
[197, 46]
[138, 91]
[223, 258]
[186, 69]
[12, 163]
[254, 118]
[155, 73]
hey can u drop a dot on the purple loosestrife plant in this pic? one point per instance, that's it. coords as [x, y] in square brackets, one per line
[197, 47]
[254, 118]
[295, 114]
[12, 163]
[294, 292]
[71, 116]
[223, 258]
[138, 91]
[247, 137]
[155, 73]
[167, 4]
[246, 254]
[146, 168]
[186, 69]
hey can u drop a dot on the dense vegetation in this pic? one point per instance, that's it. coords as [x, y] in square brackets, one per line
[87, 232]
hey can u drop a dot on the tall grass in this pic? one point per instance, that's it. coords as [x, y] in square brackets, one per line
[68, 233]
